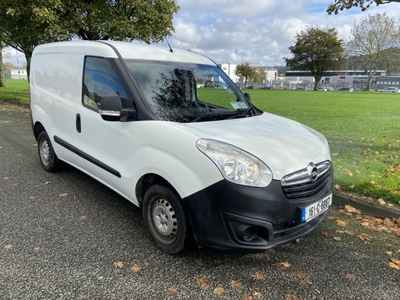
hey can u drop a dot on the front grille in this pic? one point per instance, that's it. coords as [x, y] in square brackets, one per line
[299, 185]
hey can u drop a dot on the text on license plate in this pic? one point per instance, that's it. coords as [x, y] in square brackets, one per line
[310, 212]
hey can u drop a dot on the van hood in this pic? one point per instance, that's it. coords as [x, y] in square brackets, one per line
[284, 145]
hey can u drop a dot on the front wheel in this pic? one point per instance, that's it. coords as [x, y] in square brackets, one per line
[47, 156]
[166, 220]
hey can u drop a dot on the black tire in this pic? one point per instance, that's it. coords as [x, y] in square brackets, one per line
[166, 220]
[47, 156]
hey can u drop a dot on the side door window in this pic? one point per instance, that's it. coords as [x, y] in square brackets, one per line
[100, 79]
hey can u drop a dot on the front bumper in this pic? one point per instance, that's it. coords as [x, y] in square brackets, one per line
[232, 217]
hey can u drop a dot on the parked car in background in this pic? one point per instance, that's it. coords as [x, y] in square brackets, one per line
[389, 90]
[345, 89]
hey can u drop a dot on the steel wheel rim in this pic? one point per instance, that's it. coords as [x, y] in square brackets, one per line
[164, 220]
[45, 152]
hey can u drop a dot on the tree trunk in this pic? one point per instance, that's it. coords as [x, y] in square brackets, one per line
[2, 76]
[317, 79]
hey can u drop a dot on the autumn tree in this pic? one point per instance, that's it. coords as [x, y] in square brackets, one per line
[2, 76]
[373, 38]
[340, 5]
[25, 24]
[245, 71]
[316, 51]
[259, 74]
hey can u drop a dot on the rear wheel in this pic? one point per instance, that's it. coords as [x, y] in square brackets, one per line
[47, 156]
[166, 220]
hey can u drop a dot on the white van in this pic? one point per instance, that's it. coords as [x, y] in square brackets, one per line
[170, 132]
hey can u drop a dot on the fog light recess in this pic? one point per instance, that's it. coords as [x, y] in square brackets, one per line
[247, 233]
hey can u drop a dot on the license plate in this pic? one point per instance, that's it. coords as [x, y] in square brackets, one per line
[310, 212]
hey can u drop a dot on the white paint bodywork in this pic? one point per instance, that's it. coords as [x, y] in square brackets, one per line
[153, 147]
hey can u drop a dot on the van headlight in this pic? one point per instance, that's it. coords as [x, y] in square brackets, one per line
[235, 164]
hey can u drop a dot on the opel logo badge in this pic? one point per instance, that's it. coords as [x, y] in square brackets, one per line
[312, 171]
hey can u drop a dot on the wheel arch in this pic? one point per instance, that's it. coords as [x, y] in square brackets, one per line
[148, 180]
[37, 129]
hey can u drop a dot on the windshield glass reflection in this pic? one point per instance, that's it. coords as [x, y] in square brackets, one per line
[183, 92]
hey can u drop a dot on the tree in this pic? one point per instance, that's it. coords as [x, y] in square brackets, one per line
[316, 51]
[259, 74]
[340, 5]
[25, 24]
[372, 39]
[2, 75]
[245, 71]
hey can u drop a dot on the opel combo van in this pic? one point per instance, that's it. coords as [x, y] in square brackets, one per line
[169, 131]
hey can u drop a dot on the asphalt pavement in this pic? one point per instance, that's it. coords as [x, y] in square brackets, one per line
[65, 236]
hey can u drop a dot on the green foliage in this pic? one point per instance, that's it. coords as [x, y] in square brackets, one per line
[362, 129]
[25, 24]
[373, 38]
[341, 5]
[316, 51]
[245, 71]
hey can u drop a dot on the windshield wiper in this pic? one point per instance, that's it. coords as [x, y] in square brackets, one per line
[214, 116]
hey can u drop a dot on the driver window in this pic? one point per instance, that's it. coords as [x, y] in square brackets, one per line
[100, 80]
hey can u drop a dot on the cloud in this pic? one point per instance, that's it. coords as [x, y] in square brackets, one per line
[233, 31]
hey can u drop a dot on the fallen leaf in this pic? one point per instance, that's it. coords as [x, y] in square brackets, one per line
[325, 233]
[390, 253]
[33, 197]
[82, 217]
[394, 266]
[118, 264]
[256, 296]
[297, 274]
[388, 222]
[201, 279]
[47, 182]
[199, 261]
[378, 221]
[304, 283]
[337, 187]
[8, 246]
[351, 276]
[63, 195]
[341, 223]
[235, 284]
[317, 291]
[247, 297]
[331, 218]
[381, 201]
[139, 266]
[292, 297]
[298, 241]
[219, 290]
[258, 276]
[172, 290]
[337, 238]
[6, 178]
[217, 261]
[36, 248]
[283, 265]
[396, 261]
[365, 237]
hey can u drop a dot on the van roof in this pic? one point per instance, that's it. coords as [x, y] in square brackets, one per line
[127, 51]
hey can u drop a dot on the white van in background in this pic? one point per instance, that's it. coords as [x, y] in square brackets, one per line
[170, 132]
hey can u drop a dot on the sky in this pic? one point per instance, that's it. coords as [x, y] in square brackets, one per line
[255, 31]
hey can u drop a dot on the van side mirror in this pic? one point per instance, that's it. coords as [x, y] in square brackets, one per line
[247, 95]
[110, 107]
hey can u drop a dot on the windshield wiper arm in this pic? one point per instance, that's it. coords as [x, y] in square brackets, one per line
[214, 116]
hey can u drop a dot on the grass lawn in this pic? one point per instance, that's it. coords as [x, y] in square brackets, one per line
[363, 130]
[15, 90]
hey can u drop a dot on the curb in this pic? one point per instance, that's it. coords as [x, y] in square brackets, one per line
[367, 207]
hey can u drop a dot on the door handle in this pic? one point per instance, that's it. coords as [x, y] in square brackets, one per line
[78, 123]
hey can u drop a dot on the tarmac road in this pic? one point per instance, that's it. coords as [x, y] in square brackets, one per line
[65, 236]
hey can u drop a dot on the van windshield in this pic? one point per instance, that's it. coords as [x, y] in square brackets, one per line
[183, 92]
